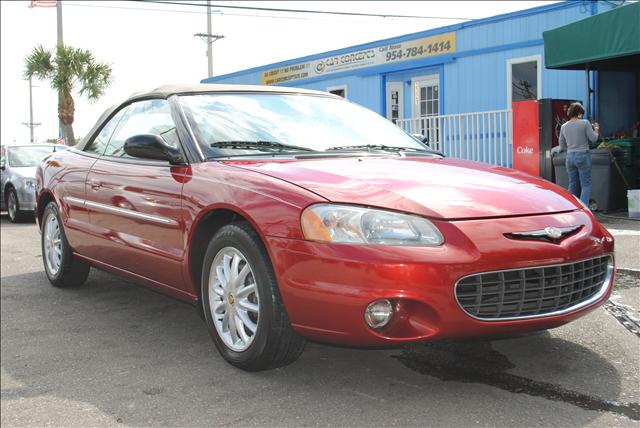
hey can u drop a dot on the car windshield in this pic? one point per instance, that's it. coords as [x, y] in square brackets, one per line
[27, 156]
[250, 124]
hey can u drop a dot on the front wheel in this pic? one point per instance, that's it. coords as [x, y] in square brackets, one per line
[13, 207]
[62, 269]
[242, 305]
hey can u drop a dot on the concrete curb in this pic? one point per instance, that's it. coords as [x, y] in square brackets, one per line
[627, 271]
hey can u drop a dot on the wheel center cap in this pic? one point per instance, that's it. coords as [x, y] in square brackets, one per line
[231, 298]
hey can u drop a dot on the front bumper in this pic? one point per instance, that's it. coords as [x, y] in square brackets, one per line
[326, 287]
[26, 198]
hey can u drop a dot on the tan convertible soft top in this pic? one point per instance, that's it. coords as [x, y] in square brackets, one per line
[166, 91]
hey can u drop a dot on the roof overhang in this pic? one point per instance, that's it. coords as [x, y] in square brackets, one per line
[607, 41]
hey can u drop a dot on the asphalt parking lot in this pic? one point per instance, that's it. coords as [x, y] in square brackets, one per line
[114, 354]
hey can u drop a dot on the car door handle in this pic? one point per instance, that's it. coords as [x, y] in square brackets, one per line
[95, 185]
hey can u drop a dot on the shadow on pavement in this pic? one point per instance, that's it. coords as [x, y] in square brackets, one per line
[143, 359]
[476, 361]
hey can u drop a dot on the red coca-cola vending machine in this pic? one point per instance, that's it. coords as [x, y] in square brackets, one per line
[536, 128]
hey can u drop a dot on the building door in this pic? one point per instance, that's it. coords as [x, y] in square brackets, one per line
[395, 101]
[426, 106]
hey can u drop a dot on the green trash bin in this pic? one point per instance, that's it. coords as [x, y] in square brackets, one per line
[631, 146]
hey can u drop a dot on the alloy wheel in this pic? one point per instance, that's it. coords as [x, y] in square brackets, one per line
[52, 244]
[233, 299]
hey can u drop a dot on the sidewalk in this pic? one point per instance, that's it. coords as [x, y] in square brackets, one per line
[627, 235]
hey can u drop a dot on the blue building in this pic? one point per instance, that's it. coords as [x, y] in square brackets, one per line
[456, 83]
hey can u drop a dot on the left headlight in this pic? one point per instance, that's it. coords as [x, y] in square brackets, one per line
[349, 224]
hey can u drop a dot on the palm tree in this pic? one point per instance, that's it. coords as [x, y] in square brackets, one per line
[70, 68]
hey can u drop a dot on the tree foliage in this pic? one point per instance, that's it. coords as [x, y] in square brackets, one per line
[70, 68]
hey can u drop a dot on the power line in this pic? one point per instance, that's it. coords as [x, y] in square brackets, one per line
[75, 4]
[325, 12]
[192, 12]
[217, 12]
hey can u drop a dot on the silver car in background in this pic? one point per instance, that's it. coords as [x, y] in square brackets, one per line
[18, 168]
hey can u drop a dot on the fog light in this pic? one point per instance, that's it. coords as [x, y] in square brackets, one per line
[378, 313]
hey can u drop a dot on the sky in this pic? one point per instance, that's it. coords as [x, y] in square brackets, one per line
[151, 44]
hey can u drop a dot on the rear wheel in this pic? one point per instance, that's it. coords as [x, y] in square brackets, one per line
[242, 305]
[62, 269]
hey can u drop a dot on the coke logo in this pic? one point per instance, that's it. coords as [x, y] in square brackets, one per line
[525, 150]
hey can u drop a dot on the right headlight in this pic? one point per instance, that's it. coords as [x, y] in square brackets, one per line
[350, 224]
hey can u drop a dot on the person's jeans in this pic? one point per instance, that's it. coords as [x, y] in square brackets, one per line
[578, 166]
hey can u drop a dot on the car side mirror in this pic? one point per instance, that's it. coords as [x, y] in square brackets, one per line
[150, 146]
[421, 138]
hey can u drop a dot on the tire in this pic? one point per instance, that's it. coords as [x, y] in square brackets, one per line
[62, 269]
[262, 338]
[13, 207]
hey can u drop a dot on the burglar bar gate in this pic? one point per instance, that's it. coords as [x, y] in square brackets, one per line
[485, 136]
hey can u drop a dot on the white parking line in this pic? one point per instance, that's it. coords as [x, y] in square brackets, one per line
[624, 232]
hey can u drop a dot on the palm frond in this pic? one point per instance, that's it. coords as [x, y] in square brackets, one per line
[39, 63]
[95, 79]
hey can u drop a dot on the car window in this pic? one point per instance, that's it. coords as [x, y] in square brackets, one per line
[143, 117]
[300, 122]
[25, 156]
[99, 144]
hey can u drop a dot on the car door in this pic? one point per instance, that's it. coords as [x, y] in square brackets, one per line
[135, 204]
[71, 186]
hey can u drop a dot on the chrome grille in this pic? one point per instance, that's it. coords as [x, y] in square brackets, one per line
[532, 292]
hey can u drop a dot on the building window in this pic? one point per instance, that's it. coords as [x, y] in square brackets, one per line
[426, 96]
[395, 101]
[341, 90]
[524, 79]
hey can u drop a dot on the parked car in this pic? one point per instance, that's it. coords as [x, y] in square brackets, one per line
[288, 214]
[18, 169]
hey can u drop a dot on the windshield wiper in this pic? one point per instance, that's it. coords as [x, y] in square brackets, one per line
[380, 147]
[258, 144]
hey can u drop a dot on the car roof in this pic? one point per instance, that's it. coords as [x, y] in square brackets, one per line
[166, 91]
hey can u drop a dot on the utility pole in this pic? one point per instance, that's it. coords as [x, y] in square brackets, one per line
[209, 49]
[31, 124]
[209, 38]
[59, 19]
[59, 44]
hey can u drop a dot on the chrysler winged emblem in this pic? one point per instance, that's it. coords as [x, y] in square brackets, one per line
[550, 234]
[553, 232]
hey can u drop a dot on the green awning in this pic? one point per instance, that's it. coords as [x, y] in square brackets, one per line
[607, 41]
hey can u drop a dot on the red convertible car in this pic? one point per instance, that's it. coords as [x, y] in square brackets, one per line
[287, 215]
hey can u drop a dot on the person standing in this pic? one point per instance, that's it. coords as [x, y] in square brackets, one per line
[575, 136]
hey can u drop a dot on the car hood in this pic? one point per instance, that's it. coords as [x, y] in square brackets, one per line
[24, 171]
[431, 186]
